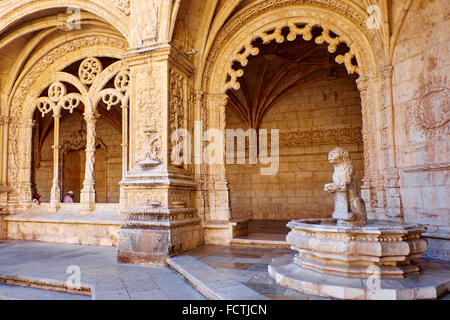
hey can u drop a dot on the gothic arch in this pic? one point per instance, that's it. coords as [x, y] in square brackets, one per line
[46, 71]
[233, 44]
[117, 14]
[53, 58]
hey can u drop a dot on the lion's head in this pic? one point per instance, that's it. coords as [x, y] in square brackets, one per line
[343, 166]
[339, 155]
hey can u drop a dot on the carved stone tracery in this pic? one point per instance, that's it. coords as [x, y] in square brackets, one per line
[275, 33]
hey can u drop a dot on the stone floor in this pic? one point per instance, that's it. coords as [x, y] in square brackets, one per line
[48, 263]
[249, 266]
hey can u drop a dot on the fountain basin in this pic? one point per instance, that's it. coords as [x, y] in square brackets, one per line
[382, 249]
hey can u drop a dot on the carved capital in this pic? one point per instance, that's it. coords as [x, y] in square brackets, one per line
[91, 118]
[28, 123]
[362, 83]
[4, 120]
[387, 71]
[218, 100]
[199, 96]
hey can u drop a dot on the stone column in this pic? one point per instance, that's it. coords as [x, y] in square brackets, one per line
[366, 188]
[157, 196]
[25, 193]
[88, 191]
[3, 184]
[219, 227]
[55, 193]
[125, 145]
[393, 208]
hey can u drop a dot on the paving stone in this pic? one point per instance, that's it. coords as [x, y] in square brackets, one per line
[208, 281]
[148, 295]
[8, 292]
[48, 262]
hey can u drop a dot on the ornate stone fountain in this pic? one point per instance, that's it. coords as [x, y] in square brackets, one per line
[349, 257]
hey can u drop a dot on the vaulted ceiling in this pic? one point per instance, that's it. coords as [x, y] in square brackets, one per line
[276, 69]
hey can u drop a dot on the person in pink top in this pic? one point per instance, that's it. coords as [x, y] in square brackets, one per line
[68, 198]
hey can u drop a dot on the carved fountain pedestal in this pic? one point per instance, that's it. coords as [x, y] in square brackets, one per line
[348, 257]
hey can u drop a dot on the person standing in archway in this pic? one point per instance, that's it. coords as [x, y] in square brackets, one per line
[68, 198]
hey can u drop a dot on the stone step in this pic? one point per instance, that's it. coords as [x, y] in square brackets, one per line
[259, 243]
[268, 226]
[67, 225]
[11, 292]
[44, 285]
[213, 284]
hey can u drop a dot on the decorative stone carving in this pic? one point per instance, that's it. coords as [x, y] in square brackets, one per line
[153, 155]
[305, 138]
[123, 5]
[88, 191]
[77, 142]
[349, 208]
[148, 124]
[177, 97]
[432, 113]
[365, 246]
[144, 17]
[89, 69]
[54, 55]
[276, 34]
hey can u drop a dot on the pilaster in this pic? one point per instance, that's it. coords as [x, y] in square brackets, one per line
[218, 227]
[393, 208]
[158, 195]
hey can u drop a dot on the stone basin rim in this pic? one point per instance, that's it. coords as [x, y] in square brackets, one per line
[329, 225]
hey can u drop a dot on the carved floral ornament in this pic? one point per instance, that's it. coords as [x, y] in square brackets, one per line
[123, 5]
[58, 99]
[275, 33]
[433, 112]
[90, 72]
[77, 142]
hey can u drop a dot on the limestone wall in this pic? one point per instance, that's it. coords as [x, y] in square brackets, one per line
[420, 89]
[312, 120]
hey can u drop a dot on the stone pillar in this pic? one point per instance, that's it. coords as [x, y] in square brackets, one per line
[393, 209]
[366, 188]
[218, 228]
[125, 110]
[157, 195]
[25, 193]
[3, 185]
[55, 193]
[88, 191]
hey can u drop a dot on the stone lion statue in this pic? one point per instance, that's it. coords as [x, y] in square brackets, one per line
[344, 183]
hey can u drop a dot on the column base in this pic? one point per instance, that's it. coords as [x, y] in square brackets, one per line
[154, 234]
[87, 201]
[54, 207]
[221, 232]
[3, 226]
